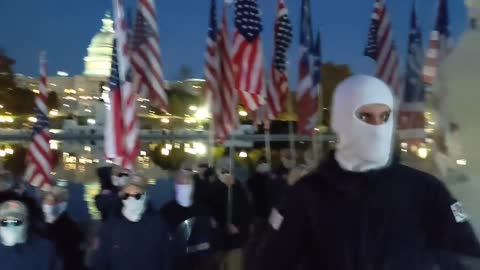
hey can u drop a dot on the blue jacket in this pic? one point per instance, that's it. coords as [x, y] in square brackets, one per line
[36, 254]
[125, 245]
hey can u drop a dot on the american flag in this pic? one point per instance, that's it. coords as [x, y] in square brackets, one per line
[128, 139]
[411, 118]
[39, 157]
[380, 47]
[307, 95]
[440, 44]
[146, 59]
[277, 89]
[225, 100]
[114, 120]
[248, 55]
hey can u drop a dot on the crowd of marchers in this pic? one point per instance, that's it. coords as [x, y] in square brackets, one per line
[357, 209]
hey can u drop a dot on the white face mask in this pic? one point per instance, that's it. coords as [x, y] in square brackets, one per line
[11, 236]
[133, 209]
[362, 146]
[184, 194]
[263, 168]
[119, 181]
[52, 212]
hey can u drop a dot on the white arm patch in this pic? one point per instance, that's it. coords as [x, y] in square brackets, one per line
[275, 219]
[459, 213]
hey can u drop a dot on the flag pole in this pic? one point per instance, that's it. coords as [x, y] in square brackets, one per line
[268, 148]
[291, 134]
[211, 143]
[230, 188]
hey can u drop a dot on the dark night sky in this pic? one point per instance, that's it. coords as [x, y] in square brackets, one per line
[64, 29]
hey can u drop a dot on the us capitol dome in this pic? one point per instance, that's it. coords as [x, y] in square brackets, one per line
[98, 60]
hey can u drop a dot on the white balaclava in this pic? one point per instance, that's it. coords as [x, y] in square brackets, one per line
[184, 194]
[361, 147]
[133, 209]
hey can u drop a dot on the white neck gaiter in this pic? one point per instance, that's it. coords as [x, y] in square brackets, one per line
[52, 212]
[133, 209]
[362, 147]
[184, 194]
[11, 236]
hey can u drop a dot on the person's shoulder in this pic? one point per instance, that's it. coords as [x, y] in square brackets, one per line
[415, 176]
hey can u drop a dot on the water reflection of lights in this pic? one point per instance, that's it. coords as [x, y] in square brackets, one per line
[462, 162]
[165, 152]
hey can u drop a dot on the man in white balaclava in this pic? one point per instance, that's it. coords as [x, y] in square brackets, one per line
[20, 247]
[362, 118]
[135, 239]
[361, 208]
[192, 228]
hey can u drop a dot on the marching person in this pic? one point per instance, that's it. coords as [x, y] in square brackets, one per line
[135, 239]
[229, 202]
[192, 228]
[278, 184]
[20, 247]
[112, 179]
[359, 210]
[64, 233]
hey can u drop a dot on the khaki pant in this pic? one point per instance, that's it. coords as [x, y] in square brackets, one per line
[232, 260]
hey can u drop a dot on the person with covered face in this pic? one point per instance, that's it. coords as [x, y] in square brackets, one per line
[65, 234]
[112, 179]
[279, 183]
[232, 210]
[20, 247]
[135, 239]
[360, 209]
[193, 231]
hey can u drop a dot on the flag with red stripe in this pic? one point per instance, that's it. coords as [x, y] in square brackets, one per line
[411, 121]
[381, 48]
[277, 88]
[221, 80]
[248, 55]
[440, 44]
[39, 156]
[309, 75]
[122, 148]
[146, 59]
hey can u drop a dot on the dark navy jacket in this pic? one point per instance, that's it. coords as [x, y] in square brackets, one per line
[36, 254]
[396, 218]
[126, 245]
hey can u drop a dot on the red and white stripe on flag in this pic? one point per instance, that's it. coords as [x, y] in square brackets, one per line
[225, 114]
[248, 55]
[39, 156]
[129, 110]
[146, 58]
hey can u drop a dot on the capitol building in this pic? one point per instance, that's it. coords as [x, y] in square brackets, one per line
[79, 94]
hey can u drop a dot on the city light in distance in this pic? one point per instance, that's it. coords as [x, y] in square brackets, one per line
[193, 108]
[88, 110]
[165, 152]
[87, 148]
[9, 151]
[168, 146]
[36, 91]
[202, 114]
[243, 154]
[462, 162]
[91, 121]
[243, 113]
[165, 120]
[32, 119]
[2, 153]
[53, 112]
[62, 73]
[53, 145]
[422, 152]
